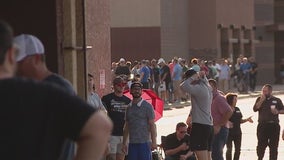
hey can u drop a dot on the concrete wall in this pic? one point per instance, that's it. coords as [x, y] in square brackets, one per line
[174, 29]
[135, 13]
[98, 36]
[202, 28]
[237, 12]
[135, 29]
[264, 51]
[40, 21]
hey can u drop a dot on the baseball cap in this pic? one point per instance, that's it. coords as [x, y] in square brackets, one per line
[28, 45]
[136, 84]
[189, 73]
[121, 60]
[161, 60]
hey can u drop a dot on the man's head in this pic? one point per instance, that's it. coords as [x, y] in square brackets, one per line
[7, 51]
[213, 84]
[118, 84]
[91, 83]
[6, 40]
[267, 90]
[161, 62]
[181, 130]
[122, 62]
[191, 73]
[136, 89]
[31, 55]
[194, 61]
[232, 99]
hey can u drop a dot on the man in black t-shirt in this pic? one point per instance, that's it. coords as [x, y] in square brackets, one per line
[165, 77]
[176, 145]
[116, 104]
[252, 74]
[31, 64]
[268, 128]
[36, 118]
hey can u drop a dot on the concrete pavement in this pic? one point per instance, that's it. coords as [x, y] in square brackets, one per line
[178, 113]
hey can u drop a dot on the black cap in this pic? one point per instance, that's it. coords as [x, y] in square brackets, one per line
[189, 73]
[136, 84]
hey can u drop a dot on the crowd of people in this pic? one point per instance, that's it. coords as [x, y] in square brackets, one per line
[164, 77]
[214, 119]
[46, 119]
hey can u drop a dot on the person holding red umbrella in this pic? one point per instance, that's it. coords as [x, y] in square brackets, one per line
[139, 126]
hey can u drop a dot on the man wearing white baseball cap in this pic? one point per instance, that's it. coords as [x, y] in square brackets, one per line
[31, 64]
[37, 117]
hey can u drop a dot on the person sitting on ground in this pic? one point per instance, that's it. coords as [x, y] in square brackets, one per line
[176, 145]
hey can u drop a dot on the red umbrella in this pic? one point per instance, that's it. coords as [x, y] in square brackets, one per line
[152, 98]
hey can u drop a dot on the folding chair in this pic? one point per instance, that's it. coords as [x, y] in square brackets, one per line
[160, 149]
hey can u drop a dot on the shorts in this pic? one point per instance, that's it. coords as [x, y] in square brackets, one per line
[139, 151]
[201, 137]
[116, 144]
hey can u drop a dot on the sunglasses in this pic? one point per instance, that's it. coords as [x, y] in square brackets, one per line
[182, 132]
[120, 84]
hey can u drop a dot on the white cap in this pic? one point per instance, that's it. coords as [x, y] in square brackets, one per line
[161, 60]
[122, 60]
[28, 45]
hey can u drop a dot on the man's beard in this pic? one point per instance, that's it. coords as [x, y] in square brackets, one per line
[136, 95]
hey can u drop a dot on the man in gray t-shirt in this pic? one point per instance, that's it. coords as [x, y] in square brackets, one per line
[196, 84]
[139, 124]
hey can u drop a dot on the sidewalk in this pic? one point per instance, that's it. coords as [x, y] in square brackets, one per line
[277, 89]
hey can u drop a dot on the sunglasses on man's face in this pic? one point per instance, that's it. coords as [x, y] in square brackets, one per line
[182, 132]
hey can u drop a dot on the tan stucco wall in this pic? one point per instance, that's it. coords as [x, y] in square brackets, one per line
[240, 12]
[135, 13]
[202, 24]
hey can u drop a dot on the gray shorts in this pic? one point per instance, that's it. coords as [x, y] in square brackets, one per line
[116, 144]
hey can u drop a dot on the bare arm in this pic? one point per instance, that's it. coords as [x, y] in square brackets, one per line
[247, 120]
[125, 133]
[141, 76]
[187, 155]
[173, 151]
[153, 133]
[94, 137]
[226, 117]
[125, 137]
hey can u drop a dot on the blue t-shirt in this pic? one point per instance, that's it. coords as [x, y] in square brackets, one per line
[177, 73]
[245, 67]
[116, 107]
[146, 72]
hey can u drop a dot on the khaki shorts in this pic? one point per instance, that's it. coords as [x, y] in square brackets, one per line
[116, 144]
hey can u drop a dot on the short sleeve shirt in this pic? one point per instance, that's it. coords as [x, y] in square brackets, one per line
[264, 113]
[138, 116]
[236, 120]
[172, 142]
[116, 107]
[38, 117]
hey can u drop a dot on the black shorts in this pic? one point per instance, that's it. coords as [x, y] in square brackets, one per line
[201, 137]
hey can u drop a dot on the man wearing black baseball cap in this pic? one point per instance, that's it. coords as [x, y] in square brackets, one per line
[139, 121]
[196, 84]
